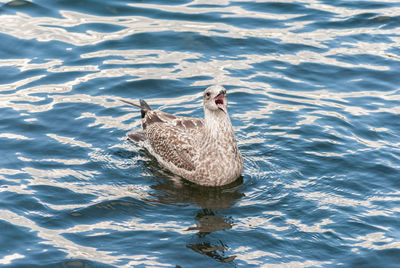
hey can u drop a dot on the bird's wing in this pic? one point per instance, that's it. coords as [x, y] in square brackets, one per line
[137, 136]
[190, 125]
[172, 144]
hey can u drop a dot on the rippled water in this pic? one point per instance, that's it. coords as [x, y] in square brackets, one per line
[314, 99]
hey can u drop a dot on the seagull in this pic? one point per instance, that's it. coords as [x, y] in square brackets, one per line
[202, 151]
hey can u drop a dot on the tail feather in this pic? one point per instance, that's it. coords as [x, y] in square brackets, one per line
[144, 107]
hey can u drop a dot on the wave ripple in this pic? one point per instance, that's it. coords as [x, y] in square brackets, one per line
[314, 99]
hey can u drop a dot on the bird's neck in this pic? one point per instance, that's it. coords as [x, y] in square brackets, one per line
[217, 125]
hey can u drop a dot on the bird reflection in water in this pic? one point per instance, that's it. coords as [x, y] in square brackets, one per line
[209, 199]
[208, 222]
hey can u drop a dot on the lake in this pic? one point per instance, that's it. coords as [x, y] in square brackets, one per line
[314, 98]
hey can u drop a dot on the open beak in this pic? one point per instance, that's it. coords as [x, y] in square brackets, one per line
[220, 100]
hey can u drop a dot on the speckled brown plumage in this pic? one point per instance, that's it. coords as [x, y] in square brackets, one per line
[203, 151]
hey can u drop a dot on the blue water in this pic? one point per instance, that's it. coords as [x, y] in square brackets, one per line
[314, 97]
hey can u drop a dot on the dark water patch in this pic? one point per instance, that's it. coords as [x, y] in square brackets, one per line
[94, 7]
[16, 48]
[356, 21]
[13, 74]
[24, 202]
[193, 42]
[19, 234]
[281, 8]
[138, 66]
[368, 59]
[363, 4]
[51, 195]
[118, 210]
[369, 38]
[150, 87]
[366, 257]
[98, 27]
[115, 8]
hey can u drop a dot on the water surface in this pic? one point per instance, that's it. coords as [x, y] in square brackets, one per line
[314, 98]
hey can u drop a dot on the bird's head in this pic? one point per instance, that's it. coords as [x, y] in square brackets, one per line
[214, 98]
